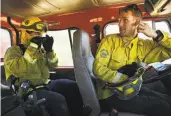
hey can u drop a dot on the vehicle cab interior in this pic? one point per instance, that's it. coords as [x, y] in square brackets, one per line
[77, 26]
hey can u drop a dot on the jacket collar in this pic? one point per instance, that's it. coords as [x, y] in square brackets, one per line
[129, 41]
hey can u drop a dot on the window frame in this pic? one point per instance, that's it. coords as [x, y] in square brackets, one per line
[70, 37]
[70, 40]
[104, 26]
[11, 38]
[144, 19]
[165, 20]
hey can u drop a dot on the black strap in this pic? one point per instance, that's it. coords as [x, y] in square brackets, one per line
[22, 47]
[12, 84]
[97, 33]
[15, 29]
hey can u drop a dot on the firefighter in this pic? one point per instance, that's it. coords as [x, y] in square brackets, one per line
[118, 57]
[32, 60]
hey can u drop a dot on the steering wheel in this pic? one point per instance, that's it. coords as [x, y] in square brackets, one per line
[151, 74]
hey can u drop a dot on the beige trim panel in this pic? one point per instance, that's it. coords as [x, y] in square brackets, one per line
[23, 8]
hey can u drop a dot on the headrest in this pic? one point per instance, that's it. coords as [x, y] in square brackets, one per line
[81, 42]
[82, 50]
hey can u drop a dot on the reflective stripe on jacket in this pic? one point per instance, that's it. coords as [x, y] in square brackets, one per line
[115, 52]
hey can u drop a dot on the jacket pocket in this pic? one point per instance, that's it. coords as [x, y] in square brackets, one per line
[117, 62]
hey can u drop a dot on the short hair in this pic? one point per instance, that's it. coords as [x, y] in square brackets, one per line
[132, 7]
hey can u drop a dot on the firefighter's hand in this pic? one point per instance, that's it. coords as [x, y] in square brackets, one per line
[37, 40]
[48, 43]
[147, 30]
[129, 69]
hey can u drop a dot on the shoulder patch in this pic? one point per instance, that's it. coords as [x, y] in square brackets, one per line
[27, 22]
[104, 53]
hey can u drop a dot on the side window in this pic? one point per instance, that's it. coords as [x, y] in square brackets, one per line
[113, 28]
[5, 41]
[62, 47]
[162, 25]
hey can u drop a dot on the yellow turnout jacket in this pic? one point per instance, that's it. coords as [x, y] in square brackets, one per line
[33, 65]
[115, 52]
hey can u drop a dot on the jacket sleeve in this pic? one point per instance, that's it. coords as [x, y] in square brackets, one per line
[166, 41]
[52, 60]
[102, 59]
[16, 63]
[156, 52]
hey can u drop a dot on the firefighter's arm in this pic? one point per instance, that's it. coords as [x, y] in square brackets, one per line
[16, 63]
[32, 53]
[102, 59]
[158, 36]
[153, 52]
[52, 60]
[165, 40]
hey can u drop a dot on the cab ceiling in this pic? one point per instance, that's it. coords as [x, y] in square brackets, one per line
[23, 8]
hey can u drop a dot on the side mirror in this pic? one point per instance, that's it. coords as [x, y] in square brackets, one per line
[157, 7]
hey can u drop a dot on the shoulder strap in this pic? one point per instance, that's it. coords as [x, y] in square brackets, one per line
[12, 85]
[22, 47]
